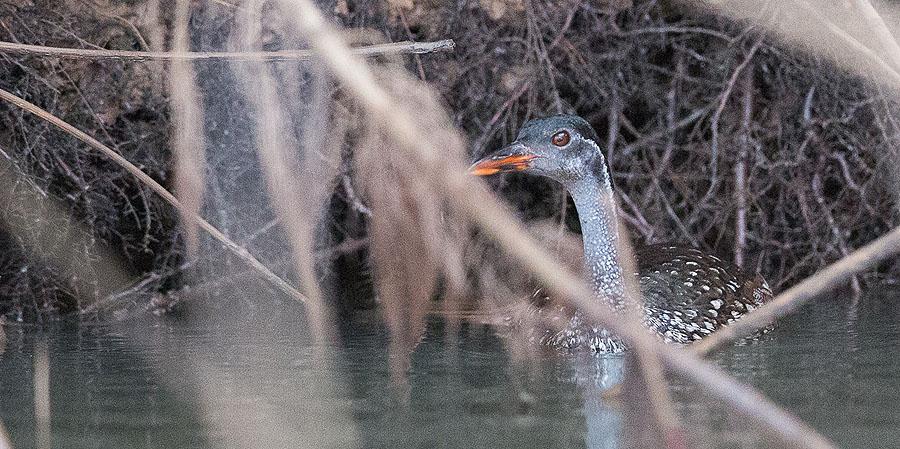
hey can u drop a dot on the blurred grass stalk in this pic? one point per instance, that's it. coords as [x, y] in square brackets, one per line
[297, 191]
[42, 396]
[5, 443]
[189, 144]
[856, 38]
[105, 272]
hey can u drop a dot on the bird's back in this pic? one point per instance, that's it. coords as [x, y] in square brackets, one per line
[689, 294]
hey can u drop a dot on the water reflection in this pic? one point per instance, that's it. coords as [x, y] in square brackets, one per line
[603, 421]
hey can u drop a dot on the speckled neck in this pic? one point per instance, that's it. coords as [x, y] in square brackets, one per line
[593, 196]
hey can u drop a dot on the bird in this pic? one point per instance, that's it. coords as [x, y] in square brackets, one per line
[688, 294]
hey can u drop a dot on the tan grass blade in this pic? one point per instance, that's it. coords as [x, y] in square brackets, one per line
[42, 396]
[212, 388]
[5, 442]
[298, 207]
[642, 426]
[189, 143]
[886, 39]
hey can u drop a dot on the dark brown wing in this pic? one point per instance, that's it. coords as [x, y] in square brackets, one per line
[689, 294]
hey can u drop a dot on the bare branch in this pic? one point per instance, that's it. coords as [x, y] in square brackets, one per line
[405, 47]
[145, 179]
[740, 171]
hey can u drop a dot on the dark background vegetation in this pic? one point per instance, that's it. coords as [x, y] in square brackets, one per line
[682, 98]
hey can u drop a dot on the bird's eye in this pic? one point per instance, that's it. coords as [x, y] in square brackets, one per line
[561, 139]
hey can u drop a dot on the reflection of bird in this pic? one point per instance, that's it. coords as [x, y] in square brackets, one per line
[687, 294]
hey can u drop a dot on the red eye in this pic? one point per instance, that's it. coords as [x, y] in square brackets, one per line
[561, 139]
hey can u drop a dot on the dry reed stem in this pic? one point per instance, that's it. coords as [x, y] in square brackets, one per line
[741, 10]
[41, 396]
[740, 170]
[492, 217]
[827, 279]
[855, 44]
[394, 48]
[277, 151]
[651, 368]
[189, 146]
[5, 442]
[236, 427]
[145, 179]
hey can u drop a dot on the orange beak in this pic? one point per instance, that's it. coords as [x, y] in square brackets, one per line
[502, 164]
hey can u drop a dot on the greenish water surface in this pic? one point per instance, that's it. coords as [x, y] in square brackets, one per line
[254, 381]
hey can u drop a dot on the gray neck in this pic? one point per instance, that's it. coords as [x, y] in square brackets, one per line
[597, 212]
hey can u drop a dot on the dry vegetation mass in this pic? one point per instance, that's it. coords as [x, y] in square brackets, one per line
[718, 135]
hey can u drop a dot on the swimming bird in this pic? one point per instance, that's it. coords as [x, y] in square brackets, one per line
[687, 293]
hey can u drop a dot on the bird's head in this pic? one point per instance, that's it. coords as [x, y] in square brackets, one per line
[562, 147]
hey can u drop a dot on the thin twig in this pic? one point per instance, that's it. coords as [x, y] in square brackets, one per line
[831, 277]
[688, 120]
[353, 198]
[481, 141]
[723, 100]
[409, 34]
[128, 24]
[404, 47]
[836, 233]
[740, 171]
[144, 178]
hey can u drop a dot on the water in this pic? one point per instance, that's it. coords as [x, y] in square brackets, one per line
[253, 382]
